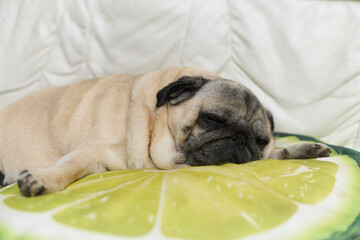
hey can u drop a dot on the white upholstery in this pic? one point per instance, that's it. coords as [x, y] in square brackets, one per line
[302, 58]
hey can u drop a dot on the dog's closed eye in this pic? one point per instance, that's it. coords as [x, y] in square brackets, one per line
[212, 119]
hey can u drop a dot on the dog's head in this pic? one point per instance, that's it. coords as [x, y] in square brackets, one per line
[216, 121]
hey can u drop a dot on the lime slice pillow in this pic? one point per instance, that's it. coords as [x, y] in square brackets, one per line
[266, 199]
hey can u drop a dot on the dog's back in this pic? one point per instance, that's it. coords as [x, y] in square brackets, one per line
[39, 128]
[21, 128]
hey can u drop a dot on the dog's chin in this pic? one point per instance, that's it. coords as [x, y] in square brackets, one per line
[219, 152]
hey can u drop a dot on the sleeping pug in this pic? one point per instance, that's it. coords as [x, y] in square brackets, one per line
[163, 119]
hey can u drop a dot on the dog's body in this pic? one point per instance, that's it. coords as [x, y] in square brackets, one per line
[164, 119]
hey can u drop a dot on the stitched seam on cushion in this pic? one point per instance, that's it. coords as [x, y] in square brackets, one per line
[90, 29]
[230, 59]
[186, 33]
[59, 25]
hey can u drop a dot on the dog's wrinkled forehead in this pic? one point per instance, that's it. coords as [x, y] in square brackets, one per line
[239, 101]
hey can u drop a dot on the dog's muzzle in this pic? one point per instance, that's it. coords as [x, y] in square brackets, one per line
[223, 146]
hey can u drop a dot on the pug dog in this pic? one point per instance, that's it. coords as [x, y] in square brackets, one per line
[163, 119]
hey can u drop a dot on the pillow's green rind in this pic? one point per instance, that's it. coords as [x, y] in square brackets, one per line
[353, 231]
[339, 221]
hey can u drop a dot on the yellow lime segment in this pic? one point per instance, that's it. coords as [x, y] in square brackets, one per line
[215, 203]
[307, 181]
[128, 209]
[209, 202]
[81, 189]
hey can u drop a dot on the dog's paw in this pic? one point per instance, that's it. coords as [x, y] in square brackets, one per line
[319, 150]
[30, 184]
[307, 150]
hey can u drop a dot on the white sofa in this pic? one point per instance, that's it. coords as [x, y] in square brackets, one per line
[302, 58]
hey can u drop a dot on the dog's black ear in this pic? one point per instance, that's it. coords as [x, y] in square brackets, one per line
[271, 119]
[180, 90]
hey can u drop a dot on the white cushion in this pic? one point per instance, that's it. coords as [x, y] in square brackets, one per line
[302, 58]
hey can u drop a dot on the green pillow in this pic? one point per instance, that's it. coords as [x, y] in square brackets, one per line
[266, 199]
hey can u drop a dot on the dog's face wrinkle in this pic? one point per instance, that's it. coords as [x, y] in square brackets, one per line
[211, 121]
[218, 133]
[224, 145]
[253, 109]
[250, 114]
